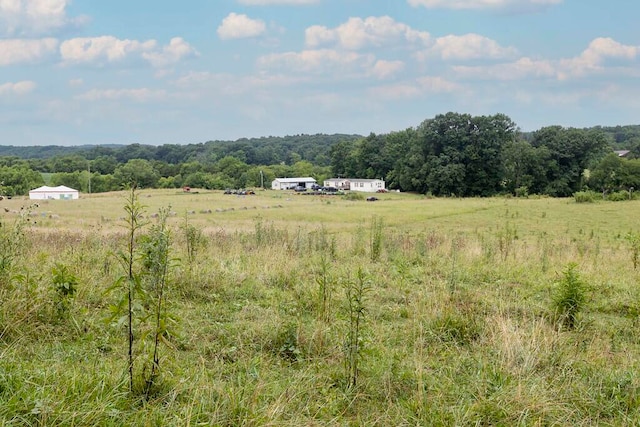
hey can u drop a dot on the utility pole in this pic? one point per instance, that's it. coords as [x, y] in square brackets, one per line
[261, 180]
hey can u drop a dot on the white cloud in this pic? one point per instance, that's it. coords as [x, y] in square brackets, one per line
[268, 2]
[236, 26]
[108, 49]
[591, 60]
[20, 51]
[317, 61]
[20, 88]
[384, 69]
[358, 33]
[468, 46]
[419, 87]
[483, 4]
[521, 69]
[29, 17]
[137, 95]
[102, 49]
[176, 50]
[598, 51]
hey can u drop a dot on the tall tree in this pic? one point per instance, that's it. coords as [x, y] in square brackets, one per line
[571, 152]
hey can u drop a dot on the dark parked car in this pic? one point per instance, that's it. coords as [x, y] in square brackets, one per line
[372, 199]
[329, 189]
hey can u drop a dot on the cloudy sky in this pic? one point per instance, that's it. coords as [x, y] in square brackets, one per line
[158, 72]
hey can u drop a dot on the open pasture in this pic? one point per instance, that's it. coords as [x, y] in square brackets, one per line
[461, 300]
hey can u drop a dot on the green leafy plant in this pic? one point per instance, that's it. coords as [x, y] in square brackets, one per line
[325, 287]
[356, 292]
[633, 239]
[376, 238]
[570, 298]
[65, 285]
[195, 241]
[13, 241]
[155, 251]
[130, 283]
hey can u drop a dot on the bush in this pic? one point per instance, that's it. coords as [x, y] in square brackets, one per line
[619, 196]
[570, 297]
[352, 195]
[586, 196]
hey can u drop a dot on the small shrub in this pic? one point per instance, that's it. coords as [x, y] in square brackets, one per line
[285, 344]
[354, 195]
[65, 285]
[586, 196]
[522, 191]
[570, 298]
[619, 196]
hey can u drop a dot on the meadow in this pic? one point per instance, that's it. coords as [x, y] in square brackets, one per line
[283, 309]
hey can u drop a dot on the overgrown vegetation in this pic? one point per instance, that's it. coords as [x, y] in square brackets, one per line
[472, 312]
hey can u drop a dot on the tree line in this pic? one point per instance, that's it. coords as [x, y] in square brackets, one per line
[452, 154]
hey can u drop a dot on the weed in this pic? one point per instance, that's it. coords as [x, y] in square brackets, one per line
[356, 292]
[155, 258]
[633, 240]
[376, 238]
[194, 239]
[12, 243]
[506, 240]
[325, 287]
[570, 298]
[65, 285]
[130, 282]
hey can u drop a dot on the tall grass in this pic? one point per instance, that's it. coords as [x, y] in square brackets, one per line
[446, 331]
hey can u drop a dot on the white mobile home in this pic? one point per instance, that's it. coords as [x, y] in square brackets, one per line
[339, 183]
[291, 183]
[354, 184]
[53, 193]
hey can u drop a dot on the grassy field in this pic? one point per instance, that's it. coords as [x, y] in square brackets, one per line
[290, 310]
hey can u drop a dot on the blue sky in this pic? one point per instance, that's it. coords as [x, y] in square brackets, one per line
[158, 72]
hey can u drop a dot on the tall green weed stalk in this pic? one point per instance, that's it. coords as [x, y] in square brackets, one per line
[130, 283]
[13, 241]
[356, 292]
[376, 238]
[633, 239]
[194, 239]
[325, 287]
[155, 251]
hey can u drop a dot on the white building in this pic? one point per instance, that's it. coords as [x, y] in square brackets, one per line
[354, 184]
[291, 183]
[57, 193]
[339, 183]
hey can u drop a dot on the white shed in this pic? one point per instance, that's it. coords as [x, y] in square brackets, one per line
[58, 193]
[290, 183]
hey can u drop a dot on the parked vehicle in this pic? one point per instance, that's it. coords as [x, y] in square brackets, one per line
[329, 189]
[300, 189]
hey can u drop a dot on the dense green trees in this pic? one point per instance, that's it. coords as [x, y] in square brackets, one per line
[450, 154]
[18, 180]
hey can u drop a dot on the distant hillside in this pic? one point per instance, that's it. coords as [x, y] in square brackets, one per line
[620, 137]
[253, 151]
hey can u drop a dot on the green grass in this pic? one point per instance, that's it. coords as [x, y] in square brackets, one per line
[460, 328]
